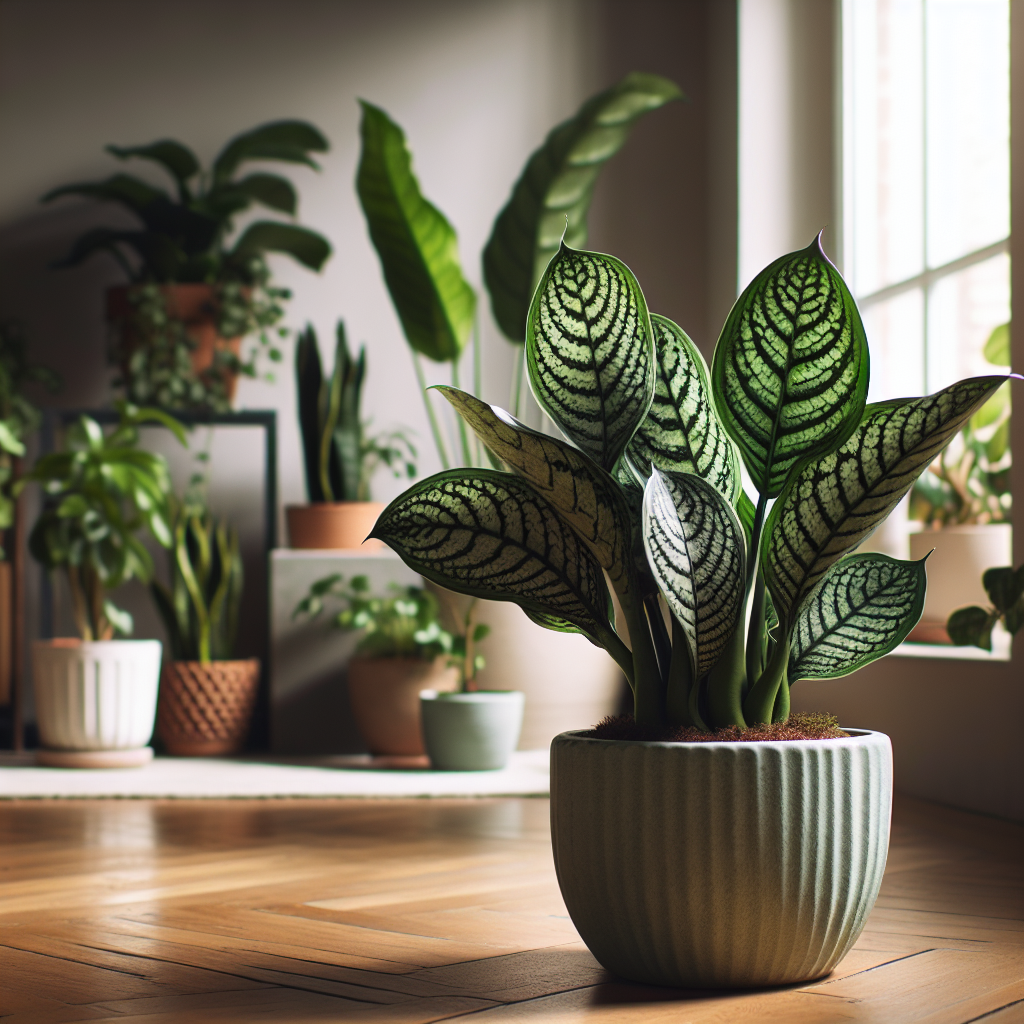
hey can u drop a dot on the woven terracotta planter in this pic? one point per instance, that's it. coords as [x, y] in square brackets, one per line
[205, 708]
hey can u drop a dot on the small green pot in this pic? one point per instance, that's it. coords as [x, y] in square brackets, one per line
[471, 732]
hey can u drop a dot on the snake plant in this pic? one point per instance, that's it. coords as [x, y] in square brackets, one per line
[200, 608]
[727, 599]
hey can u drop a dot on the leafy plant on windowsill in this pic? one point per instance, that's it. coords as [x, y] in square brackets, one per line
[970, 480]
[647, 490]
[19, 417]
[418, 249]
[101, 492]
[972, 627]
[340, 455]
[407, 624]
[184, 239]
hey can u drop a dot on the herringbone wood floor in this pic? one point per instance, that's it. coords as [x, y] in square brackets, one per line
[416, 911]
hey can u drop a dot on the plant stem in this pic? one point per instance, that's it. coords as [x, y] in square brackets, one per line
[755, 645]
[435, 427]
[648, 692]
[467, 459]
[78, 603]
[680, 677]
[755, 542]
[759, 706]
[725, 683]
[468, 664]
[781, 710]
[517, 383]
[659, 634]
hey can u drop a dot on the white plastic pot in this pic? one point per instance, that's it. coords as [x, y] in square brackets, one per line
[471, 731]
[95, 695]
[720, 865]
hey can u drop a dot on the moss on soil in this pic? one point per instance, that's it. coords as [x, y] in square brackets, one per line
[812, 725]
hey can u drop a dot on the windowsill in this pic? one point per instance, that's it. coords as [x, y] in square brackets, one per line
[1000, 650]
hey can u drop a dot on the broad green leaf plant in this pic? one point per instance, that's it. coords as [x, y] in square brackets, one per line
[101, 492]
[727, 599]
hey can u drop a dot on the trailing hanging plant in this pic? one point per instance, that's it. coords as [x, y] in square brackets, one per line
[647, 491]
[339, 454]
[101, 492]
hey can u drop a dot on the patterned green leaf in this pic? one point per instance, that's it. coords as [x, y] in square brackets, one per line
[790, 372]
[555, 190]
[972, 627]
[417, 246]
[694, 544]
[682, 432]
[830, 505]
[552, 622]
[582, 493]
[590, 351]
[490, 535]
[863, 608]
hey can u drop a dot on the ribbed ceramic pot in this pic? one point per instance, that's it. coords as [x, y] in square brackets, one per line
[95, 695]
[720, 865]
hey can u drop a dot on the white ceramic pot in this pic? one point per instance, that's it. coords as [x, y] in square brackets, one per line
[95, 695]
[720, 865]
[471, 731]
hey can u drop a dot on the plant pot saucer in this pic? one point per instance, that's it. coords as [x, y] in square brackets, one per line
[134, 757]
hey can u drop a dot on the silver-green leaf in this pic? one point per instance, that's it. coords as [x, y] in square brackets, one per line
[694, 544]
[790, 371]
[590, 351]
[863, 608]
[829, 505]
[490, 535]
[586, 497]
[682, 432]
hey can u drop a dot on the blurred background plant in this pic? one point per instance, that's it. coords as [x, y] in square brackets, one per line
[969, 483]
[973, 626]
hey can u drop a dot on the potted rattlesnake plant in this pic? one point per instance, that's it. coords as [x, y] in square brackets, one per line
[193, 291]
[206, 695]
[962, 502]
[95, 695]
[698, 844]
[340, 455]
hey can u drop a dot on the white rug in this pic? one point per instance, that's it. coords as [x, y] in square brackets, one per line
[216, 778]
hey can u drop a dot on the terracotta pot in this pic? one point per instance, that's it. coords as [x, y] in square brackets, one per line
[333, 525]
[385, 698]
[206, 708]
[196, 306]
[720, 865]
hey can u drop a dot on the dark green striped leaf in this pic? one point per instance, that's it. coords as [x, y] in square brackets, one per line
[554, 191]
[830, 505]
[682, 432]
[790, 372]
[581, 492]
[590, 351]
[863, 608]
[417, 246]
[490, 535]
[694, 545]
[551, 622]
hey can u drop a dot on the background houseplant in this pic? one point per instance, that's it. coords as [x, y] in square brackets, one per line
[194, 293]
[340, 455]
[650, 495]
[973, 625]
[206, 697]
[97, 694]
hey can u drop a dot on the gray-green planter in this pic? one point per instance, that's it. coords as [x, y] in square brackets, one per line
[471, 731]
[720, 865]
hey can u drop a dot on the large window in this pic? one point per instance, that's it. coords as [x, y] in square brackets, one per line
[926, 184]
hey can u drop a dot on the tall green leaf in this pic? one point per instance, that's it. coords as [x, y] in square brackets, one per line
[118, 188]
[309, 248]
[694, 544]
[290, 141]
[175, 158]
[790, 372]
[682, 432]
[590, 351]
[554, 191]
[581, 492]
[490, 535]
[830, 505]
[417, 246]
[863, 608]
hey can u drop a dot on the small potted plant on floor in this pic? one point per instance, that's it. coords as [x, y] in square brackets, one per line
[206, 696]
[708, 841]
[194, 292]
[95, 695]
[339, 453]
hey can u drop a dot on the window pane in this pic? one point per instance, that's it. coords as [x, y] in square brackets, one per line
[968, 126]
[963, 308]
[885, 107]
[895, 331]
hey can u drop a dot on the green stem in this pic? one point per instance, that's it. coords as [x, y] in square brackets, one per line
[760, 703]
[467, 459]
[725, 683]
[435, 427]
[755, 630]
[755, 541]
[517, 383]
[659, 634]
[680, 677]
[648, 692]
[781, 710]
